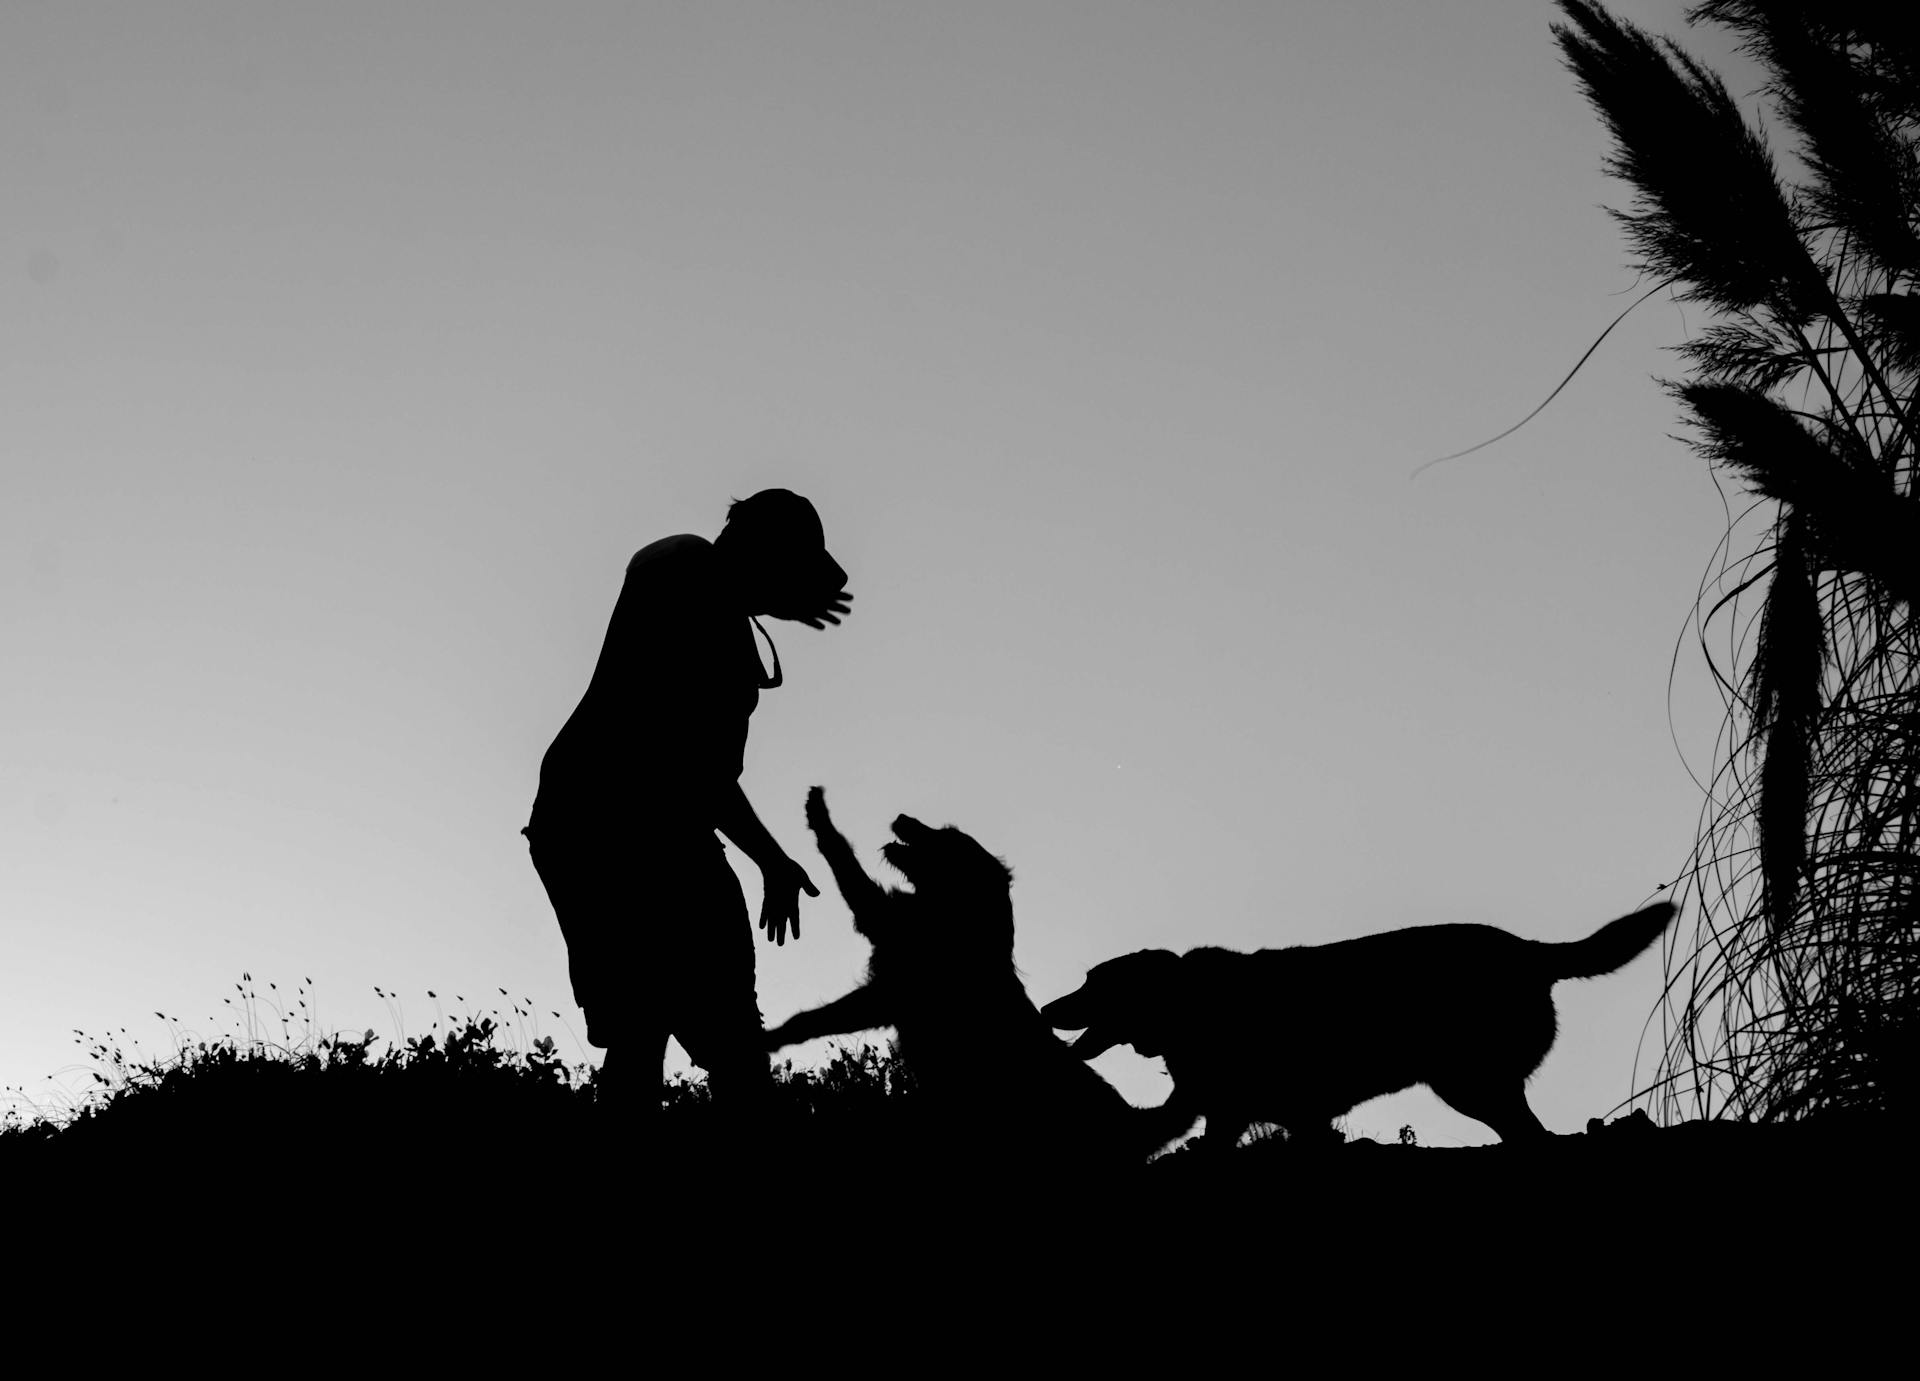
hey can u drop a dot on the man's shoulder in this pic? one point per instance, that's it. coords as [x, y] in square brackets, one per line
[683, 550]
[675, 573]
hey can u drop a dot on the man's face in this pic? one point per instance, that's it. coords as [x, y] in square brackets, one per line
[797, 580]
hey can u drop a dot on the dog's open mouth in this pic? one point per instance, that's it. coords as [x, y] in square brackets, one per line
[898, 852]
[1066, 1014]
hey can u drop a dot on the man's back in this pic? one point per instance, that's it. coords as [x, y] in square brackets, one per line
[663, 724]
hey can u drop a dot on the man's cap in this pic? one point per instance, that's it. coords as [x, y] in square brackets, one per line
[787, 521]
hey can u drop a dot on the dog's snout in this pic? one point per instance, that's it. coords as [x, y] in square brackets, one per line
[1060, 1012]
[907, 829]
[1070, 1013]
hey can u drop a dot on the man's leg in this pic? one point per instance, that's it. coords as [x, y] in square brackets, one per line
[718, 1017]
[629, 1081]
[590, 889]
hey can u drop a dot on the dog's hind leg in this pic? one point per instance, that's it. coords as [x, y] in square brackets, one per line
[1223, 1132]
[1314, 1133]
[1500, 1103]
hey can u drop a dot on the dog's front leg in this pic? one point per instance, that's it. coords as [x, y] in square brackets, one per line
[864, 897]
[860, 1010]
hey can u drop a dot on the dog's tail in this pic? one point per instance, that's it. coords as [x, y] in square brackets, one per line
[1612, 946]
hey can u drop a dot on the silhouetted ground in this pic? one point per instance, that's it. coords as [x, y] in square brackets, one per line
[439, 1196]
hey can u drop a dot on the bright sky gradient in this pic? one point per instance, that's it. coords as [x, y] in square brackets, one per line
[348, 351]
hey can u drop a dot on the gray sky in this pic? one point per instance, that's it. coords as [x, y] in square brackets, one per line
[349, 351]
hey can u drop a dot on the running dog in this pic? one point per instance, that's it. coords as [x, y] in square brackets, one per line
[942, 973]
[1300, 1036]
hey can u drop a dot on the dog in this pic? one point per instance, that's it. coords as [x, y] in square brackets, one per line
[973, 1041]
[1300, 1036]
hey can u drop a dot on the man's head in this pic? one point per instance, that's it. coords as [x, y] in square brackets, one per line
[776, 553]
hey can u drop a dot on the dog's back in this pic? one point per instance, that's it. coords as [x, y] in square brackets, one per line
[1341, 1023]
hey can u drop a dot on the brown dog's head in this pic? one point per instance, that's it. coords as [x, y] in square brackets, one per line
[949, 868]
[946, 859]
[1131, 1000]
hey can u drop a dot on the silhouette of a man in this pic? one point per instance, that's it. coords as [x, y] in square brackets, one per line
[645, 771]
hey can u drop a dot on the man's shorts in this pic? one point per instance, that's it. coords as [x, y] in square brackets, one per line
[658, 941]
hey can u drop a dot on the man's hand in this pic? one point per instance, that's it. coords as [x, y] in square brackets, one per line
[780, 887]
[830, 610]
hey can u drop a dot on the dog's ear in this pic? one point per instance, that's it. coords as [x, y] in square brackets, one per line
[1143, 976]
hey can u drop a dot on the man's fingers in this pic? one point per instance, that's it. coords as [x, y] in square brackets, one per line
[779, 912]
[830, 610]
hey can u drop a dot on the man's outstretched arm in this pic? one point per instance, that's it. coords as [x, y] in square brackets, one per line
[781, 879]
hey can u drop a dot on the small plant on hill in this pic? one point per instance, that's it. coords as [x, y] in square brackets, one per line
[278, 1075]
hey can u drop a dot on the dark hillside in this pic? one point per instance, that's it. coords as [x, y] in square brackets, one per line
[456, 1165]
